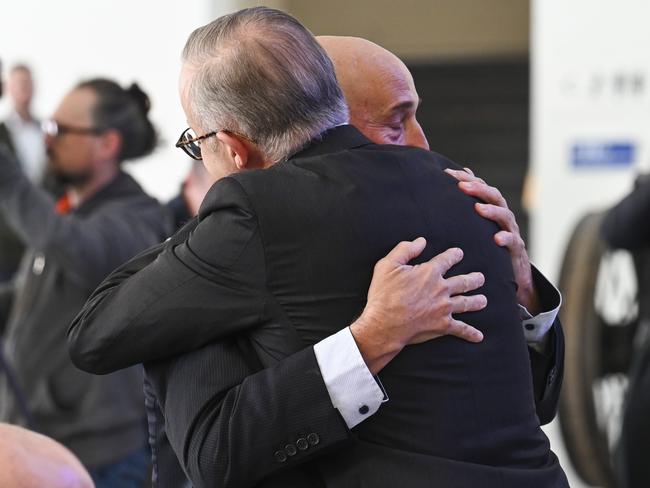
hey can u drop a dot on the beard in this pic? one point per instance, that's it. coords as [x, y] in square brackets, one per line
[67, 178]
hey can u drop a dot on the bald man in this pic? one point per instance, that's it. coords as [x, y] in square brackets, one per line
[383, 103]
[379, 89]
[31, 460]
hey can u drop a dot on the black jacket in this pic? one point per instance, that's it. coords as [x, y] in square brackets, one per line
[100, 419]
[11, 247]
[281, 259]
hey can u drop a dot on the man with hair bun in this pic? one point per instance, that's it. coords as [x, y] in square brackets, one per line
[103, 219]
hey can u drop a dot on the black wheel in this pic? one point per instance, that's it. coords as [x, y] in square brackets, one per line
[599, 316]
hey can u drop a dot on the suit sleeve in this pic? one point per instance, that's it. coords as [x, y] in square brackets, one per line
[548, 369]
[547, 364]
[207, 286]
[232, 425]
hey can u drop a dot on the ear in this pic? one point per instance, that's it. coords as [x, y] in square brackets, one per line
[241, 151]
[111, 144]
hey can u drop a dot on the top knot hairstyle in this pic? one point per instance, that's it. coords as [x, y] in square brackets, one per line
[260, 73]
[126, 111]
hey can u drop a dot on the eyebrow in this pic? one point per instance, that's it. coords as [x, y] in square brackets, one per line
[404, 106]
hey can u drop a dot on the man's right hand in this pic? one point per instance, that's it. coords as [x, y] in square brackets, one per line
[412, 304]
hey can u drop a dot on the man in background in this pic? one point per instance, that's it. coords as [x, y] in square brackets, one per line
[185, 206]
[21, 133]
[23, 128]
[103, 219]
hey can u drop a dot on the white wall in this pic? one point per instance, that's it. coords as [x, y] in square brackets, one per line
[586, 58]
[128, 40]
[580, 50]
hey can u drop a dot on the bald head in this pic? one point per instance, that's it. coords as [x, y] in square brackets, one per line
[31, 460]
[379, 90]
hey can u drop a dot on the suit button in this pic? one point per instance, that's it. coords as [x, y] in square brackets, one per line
[313, 439]
[363, 409]
[290, 449]
[280, 456]
[302, 444]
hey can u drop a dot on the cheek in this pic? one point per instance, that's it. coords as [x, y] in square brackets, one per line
[214, 166]
[382, 135]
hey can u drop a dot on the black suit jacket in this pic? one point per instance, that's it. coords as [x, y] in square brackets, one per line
[281, 259]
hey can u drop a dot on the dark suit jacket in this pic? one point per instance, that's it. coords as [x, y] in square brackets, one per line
[281, 259]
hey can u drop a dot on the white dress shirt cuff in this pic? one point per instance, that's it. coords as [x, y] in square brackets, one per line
[536, 327]
[354, 391]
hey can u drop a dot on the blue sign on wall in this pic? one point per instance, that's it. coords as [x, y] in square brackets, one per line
[603, 154]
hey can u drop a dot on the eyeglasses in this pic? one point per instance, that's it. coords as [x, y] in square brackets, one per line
[53, 128]
[191, 143]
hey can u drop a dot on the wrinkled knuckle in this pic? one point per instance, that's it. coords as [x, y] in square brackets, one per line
[447, 307]
[446, 324]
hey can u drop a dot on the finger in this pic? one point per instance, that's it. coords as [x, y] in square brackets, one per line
[468, 170]
[504, 239]
[406, 250]
[460, 175]
[501, 215]
[483, 191]
[464, 331]
[445, 260]
[464, 283]
[465, 303]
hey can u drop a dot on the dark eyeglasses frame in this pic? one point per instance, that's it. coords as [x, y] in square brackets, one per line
[184, 144]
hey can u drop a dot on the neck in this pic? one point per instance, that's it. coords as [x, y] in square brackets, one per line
[80, 193]
[23, 113]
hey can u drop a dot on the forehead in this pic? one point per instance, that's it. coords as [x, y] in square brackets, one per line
[76, 107]
[396, 89]
[20, 74]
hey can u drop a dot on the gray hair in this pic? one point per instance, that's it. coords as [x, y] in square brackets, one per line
[261, 74]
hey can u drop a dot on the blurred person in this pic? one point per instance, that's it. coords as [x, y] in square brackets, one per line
[22, 134]
[32, 460]
[103, 219]
[24, 129]
[625, 226]
[274, 228]
[185, 206]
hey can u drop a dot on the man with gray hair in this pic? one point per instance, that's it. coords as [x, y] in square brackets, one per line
[281, 257]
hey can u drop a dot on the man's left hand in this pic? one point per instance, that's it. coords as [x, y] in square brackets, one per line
[496, 209]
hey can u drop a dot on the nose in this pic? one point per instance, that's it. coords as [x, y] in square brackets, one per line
[415, 136]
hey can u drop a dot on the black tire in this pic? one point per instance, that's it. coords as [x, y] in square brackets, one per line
[597, 357]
